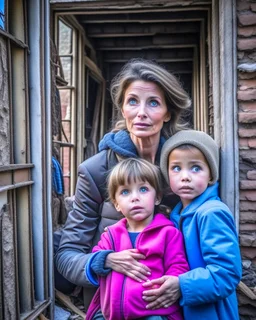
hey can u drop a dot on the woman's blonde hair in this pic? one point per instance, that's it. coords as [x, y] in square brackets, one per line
[177, 99]
[133, 170]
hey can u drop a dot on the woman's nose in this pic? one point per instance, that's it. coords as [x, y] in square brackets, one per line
[142, 110]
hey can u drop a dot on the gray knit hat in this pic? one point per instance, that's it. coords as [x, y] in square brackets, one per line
[198, 139]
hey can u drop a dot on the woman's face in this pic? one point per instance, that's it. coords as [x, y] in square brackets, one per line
[144, 109]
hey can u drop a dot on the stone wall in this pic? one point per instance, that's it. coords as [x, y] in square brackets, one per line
[246, 96]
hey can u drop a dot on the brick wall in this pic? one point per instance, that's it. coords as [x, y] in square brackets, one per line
[246, 96]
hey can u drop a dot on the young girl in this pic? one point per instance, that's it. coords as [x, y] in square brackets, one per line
[134, 187]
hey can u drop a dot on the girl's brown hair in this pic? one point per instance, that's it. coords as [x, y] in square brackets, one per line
[132, 170]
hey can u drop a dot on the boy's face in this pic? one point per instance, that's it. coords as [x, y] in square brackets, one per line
[136, 201]
[189, 173]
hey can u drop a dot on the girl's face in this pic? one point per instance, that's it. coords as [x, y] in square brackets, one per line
[136, 201]
[144, 109]
[189, 173]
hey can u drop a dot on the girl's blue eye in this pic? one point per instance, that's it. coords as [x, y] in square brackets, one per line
[176, 168]
[124, 192]
[153, 103]
[195, 168]
[143, 189]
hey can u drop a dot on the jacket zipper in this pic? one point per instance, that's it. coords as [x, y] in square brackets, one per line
[122, 298]
[181, 230]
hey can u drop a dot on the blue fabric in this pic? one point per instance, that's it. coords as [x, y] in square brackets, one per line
[121, 143]
[57, 177]
[208, 289]
[133, 236]
[96, 266]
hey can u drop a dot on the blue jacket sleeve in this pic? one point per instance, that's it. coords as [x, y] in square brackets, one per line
[220, 251]
[96, 266]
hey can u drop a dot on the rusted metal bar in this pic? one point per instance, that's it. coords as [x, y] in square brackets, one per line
[38, 309]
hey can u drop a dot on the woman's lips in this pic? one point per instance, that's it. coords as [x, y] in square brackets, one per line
[141, 124]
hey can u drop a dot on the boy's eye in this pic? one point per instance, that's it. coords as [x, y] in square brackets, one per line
[175, 168]
[143, 189]
[154, 103]
[132, 101]
[196, 168]
[124, 192]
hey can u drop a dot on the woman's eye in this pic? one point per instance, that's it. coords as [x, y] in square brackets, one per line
[132, 101]
[195, 168]
[143, 189]
[154, 103]
[175, 168]
[124, 192]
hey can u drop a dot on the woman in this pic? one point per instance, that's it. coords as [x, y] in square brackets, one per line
[150, 103]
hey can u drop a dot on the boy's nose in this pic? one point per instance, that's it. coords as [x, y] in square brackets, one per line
[185, 176]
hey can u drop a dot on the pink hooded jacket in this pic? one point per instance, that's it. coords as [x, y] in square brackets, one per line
[120, 297]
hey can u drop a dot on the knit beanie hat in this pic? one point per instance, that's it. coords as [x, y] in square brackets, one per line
[198, 139]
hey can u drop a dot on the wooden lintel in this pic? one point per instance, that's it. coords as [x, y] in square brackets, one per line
[114, 7]
[159, 60]
[123, 21]
[173, 46]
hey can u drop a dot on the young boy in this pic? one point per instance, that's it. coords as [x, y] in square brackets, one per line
[134, 187]
[190, 165]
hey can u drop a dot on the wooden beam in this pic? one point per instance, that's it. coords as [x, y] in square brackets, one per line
[159, 60]
[173, 46]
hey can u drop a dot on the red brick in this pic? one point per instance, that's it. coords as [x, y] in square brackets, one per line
[246, 95]
[251, 175]
[246, 75]
[247, 239]
[247, 205]
[249, 195]
[249, 253]
[253, 7]
[247, 117]
[248, 106]
[247, 227]
[247, 19]
[241, 5]
[246, 44]
[243, 143]
[252, 143]
[245, 84]
[248, 185]
[247, 133]
[246, 31]
[247, 216]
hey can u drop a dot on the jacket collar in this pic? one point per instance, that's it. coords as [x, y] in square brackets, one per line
[211, 193]
[120, 142]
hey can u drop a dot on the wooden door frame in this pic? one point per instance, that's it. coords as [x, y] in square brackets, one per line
[224, 58]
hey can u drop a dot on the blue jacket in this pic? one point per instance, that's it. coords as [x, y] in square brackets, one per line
[209, 289]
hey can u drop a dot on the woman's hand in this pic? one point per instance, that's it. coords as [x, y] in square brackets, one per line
[163, 292]
[126, 262]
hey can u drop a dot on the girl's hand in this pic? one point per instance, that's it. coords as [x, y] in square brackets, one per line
[126, 262]
[163, 292]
